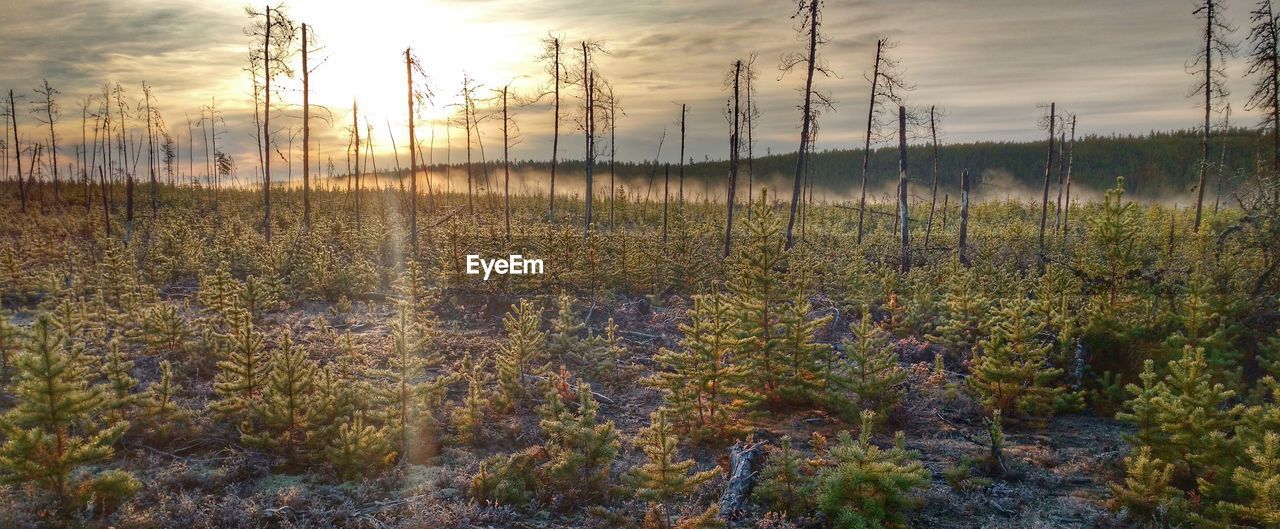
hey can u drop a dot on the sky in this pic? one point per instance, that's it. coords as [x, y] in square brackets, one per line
[991, 65]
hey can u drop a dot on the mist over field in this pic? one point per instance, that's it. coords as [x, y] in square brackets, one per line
[707, 264]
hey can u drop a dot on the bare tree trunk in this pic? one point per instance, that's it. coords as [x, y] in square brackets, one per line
[946, 197]
[1048, 171]
[17, 152]
[613, 156]
[306, 137]
[807, 119]
[733, 163]
[1208, 108]
[1071, 158]
[902, 188]
[506, 164]
[866, 145]
[355, 129]
[933, 196]
[683, 109]
[589, 128]
[151, 151]
[413, 155]
[964, 218]
[1062, 173]
[124, 161]
[750, 122]
[555, 133]
[266, 128]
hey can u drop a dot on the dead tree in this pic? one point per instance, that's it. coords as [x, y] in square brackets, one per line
[355, 131]
[902, 189]
[613, 149]
[151, 149]
[735, 118]
[306, 133]
[468, 102]
[1071, 157]
[410, 64]
[46, 112]
[589, 81]
[809, 12]
[683, 111]
[509, 139]
[933, 195]
[118, 92]
[886, 81]
[277, 36]
[1264, 63]
[552, 55]
[961, 248]
[1048, 171]
[17, 153]
[749, 122]
[1208, 66]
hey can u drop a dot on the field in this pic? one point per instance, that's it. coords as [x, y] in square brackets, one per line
[187, 372]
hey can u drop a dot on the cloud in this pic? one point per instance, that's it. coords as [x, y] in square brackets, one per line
[991, 63]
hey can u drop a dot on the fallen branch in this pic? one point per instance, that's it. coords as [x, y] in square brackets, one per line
[741, 478]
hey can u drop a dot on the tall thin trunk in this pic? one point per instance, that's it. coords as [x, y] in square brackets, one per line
[964, 218]
[506, 164]
[683, 109]
[751, 168]
[589, 128]
[1208, 108]
[902, 188]
[306, 136]
[933, 196]
[1062, 175]
[866, 145]
[1048, 171]
[151, 151]
[124, 165]
[266, 128]
[806, 122]
[733, 163]
[355, 174]
[413, 157]
[1066, 206]
[613, 155]
[555, 132]
[17, 152]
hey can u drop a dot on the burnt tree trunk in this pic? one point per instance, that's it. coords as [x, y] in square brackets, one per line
[413, 157]
[807, 120]
[866, 145]
[306, 136]
[266, 128]
[683, 109]
[933, 196]
[555, 131]
[902, 188]
[17, 153]
[733, 164]
[1048, 171]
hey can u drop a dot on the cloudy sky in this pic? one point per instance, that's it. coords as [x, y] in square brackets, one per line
[1120, 66]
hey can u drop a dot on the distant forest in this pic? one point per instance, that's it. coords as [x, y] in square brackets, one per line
[1154, 165]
